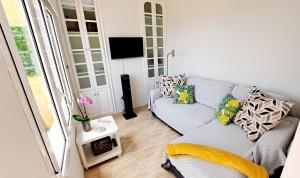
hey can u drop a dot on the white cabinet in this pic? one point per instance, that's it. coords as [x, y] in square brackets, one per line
[102, 104]
[104, 101]
[93, 109]
[89, 60]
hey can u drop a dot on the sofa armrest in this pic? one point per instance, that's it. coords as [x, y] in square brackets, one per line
[154, 94]
[271, 148]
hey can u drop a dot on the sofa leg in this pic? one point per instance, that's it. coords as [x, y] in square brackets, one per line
[153, 114]
[169, 167]
[277, 172]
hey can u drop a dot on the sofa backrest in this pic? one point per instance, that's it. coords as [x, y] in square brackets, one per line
[209, 92]
[241, 92]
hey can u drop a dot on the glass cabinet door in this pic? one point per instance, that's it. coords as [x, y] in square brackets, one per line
[72, 21]
[154, 32]
[94, 45]
[159, 38]
[149, 39]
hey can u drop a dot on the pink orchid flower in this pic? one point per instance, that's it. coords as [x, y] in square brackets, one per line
[84, 100]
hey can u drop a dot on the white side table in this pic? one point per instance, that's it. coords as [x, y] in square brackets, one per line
[84, 139]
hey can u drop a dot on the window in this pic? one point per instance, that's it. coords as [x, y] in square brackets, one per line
[47, 85]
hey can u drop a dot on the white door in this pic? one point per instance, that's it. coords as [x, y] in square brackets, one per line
[154, 21]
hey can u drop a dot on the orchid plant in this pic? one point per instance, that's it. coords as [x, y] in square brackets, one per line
[82, 101]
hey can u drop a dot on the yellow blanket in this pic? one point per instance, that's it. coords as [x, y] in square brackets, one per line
[244, 166]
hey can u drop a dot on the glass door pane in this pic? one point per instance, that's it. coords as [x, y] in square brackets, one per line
[148, 19]
[159, 20]
[158, 9]
[84, 82]
[159, 31]
[75, 42]
[70, 13]
[91, 27]
[89, 14]
[151, 73]
[160, 52]
[160, 71]
[88, 2]
[81, 68]
[79, 57]
[149, 42]
[149, 31]
[160, 42]
[101, 80]
[147, 7]
[72, 27]
[94, 42]
[96, 56]
[99, 68]
[39, 82]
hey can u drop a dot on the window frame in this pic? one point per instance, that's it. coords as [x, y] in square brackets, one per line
[67, 127]
[24, 90]
[61, 68]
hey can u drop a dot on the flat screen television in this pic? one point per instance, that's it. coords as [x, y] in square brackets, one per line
[126, 47]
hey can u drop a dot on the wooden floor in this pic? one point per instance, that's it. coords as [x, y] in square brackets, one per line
[143, 142]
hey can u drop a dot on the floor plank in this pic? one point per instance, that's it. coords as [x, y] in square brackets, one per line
[143, 142]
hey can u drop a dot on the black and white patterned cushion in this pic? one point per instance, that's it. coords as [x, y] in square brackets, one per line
[168, 83]
[260, 114]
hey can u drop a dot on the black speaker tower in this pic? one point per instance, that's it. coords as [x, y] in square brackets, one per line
[128, 109]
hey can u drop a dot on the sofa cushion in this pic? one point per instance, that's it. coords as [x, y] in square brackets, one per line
[182, 117]
[269, 151]
[209, 92]
[168, 83]
[184, 94]
[260, 114]
[271, 148]
[227, 109]
[214, 134]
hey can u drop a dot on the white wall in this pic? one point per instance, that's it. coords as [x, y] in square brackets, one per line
[122, 18]
[20, 155]
[75, 168]
[248, 42]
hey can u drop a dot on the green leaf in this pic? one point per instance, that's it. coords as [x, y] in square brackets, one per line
[80, 118]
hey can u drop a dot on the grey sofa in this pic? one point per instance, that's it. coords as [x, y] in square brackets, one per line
[197, 123]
